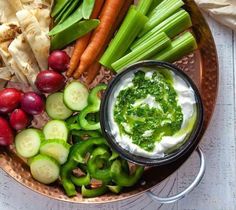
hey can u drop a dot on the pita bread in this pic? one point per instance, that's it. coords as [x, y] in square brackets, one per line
[37, 39]
[16, 4]
[5, 74]
[7, 12]
[7, 35]
[24, 58]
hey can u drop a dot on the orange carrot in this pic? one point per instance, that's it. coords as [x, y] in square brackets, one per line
[108, 18]
[92, 72]
[95, 67]
[82, 42]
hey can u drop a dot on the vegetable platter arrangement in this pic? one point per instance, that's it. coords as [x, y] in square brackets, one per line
[55, 50]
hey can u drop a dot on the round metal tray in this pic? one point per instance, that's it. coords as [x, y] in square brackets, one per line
[201, 66]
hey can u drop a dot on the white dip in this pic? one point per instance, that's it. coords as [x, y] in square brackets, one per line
[186, 99]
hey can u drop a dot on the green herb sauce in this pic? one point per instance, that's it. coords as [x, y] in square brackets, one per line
[143, 123]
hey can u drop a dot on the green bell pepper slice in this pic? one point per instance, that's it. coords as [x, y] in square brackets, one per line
[90, 193]
[98, 164]
[93, 106]
[122, 178]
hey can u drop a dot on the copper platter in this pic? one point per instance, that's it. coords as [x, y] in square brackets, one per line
[201, 66]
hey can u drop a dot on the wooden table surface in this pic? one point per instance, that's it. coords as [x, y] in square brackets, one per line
[217, 191]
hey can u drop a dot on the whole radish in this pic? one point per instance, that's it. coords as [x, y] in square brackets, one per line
[9, 99]
[6, 133]
[19, 119]
[59, 60]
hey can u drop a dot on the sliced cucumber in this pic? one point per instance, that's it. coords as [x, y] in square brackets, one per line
[44, 169]
[28, 142]
[56, 108]
[76, 96]
[57, 149]
[56, 129]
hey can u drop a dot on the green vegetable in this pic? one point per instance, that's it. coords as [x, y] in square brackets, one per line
[98, 164]
[181, 46]
[123, 179]
[93, 106]
[160, 13]
[28, 142]
[56, 148]
[76, 156]
[115, 188]
[87, 8]
[55, 107]
[80, 181]
[172, 26]
[144, 6]
[59, 5]
[63, 11]
[56, 129]
[130, 28]
[65, 174]
[76, 96]
[90, 193]
[72, 33]
[73, 123]
[85, 146]
[69, 10]
[154, 5]
[70, 21]
[44, 169]
[145, 51]
[80, 135]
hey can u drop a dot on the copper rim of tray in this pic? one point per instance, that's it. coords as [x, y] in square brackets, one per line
[201, 66]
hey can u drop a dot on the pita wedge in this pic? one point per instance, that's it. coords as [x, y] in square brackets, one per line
[24, 58]
[7, 12]
[5, 74]
[37, 39]
[16, 4]
[7, 35]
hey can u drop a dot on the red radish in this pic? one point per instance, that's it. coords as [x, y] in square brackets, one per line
[50, 81]
[6, 133]
[9, 99]
[32, 103]
[19, 120]
[59, 60]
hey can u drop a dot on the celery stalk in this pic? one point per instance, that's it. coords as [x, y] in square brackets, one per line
[154, 5]
[172, 26]
[145, 51]
[130, 28]
[144, 6]
[181, 46]
[160, 13]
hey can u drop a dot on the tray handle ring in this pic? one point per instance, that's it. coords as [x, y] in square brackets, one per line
[182, 194]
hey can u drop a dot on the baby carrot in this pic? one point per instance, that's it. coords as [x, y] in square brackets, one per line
[92, 72]
[82, 42]
[108, 17]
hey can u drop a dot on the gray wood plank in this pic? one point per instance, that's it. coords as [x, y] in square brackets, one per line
[217, 190]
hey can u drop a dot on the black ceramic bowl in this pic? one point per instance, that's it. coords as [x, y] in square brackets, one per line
[105, 125]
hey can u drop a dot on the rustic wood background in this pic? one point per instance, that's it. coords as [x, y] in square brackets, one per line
[217, 191]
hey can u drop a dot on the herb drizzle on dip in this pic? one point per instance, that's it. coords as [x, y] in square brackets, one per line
[147, 116]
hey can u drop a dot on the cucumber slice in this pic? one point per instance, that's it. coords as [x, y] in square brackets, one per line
[57, 149]
[44, 169]
[28, 142]
[56, 129]
[76, 96]
[55, 107]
